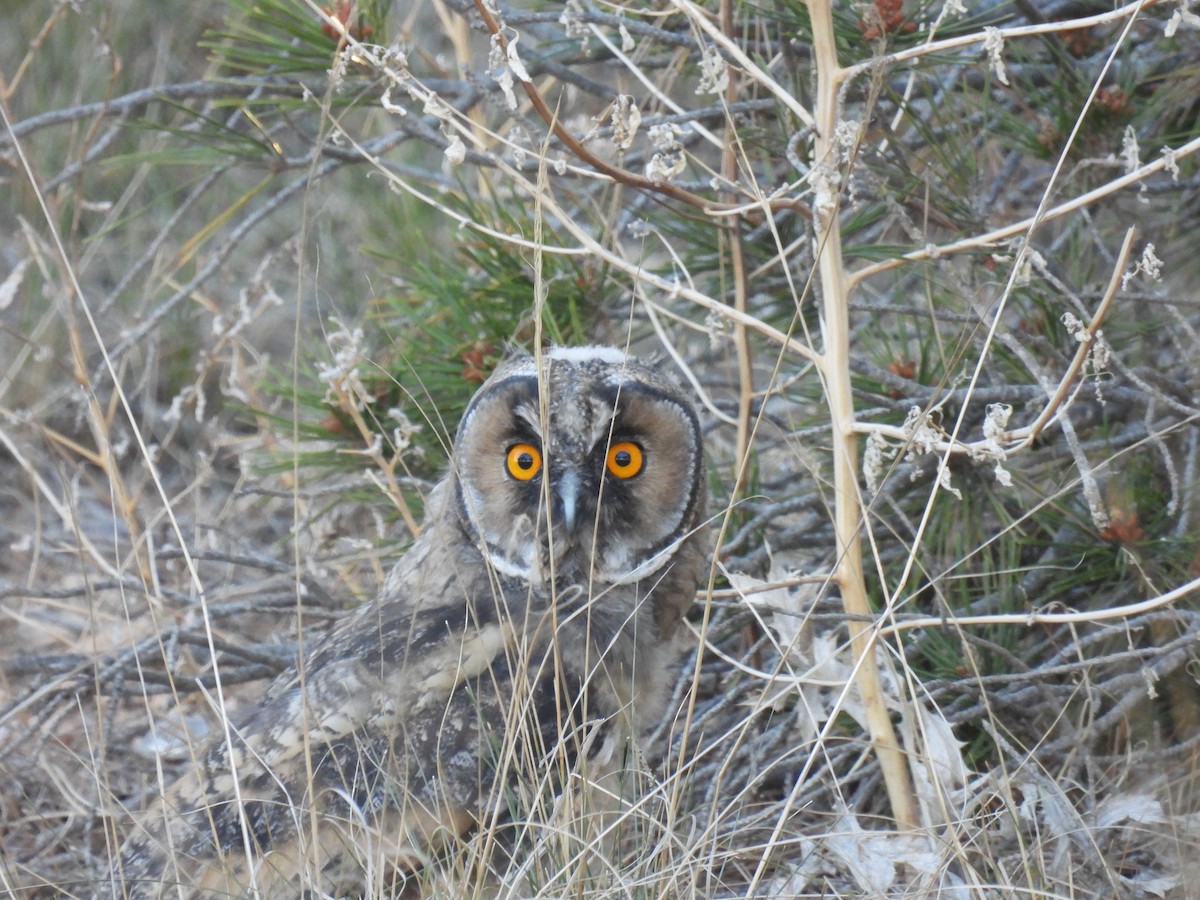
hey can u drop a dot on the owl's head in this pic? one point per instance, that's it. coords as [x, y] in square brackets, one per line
[594, 465]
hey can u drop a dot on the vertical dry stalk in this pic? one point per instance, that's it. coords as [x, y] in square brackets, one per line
[729, 169]
[835, 369]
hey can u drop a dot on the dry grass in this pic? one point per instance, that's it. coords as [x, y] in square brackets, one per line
[950, 641]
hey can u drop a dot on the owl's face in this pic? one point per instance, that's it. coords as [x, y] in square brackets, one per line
[596, 468]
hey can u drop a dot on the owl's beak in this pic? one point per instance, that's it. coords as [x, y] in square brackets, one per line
[566, 493]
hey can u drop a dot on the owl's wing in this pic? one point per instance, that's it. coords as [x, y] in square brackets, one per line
[398, 697]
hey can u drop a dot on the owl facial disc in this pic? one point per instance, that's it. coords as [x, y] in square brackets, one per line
[617, 482]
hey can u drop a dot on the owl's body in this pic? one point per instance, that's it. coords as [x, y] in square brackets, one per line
[523, 636]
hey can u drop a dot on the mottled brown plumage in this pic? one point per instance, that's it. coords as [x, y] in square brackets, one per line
[524, 634]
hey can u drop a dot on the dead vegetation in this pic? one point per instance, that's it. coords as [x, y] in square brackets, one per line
[259, 255]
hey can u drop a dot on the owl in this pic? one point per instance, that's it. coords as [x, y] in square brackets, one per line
[522, 641]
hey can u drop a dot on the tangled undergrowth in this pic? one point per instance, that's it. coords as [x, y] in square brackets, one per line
[260, 255]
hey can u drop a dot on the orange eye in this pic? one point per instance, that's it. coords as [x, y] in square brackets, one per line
[524, 461]
[625, 459]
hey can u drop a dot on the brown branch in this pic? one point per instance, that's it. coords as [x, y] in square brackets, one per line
[616, 173]
[1087, 339]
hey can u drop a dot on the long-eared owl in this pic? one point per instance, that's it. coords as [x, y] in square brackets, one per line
[523, 637]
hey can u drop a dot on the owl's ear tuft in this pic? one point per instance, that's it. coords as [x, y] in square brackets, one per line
[514, 359]
[664, 366]
[513, 352]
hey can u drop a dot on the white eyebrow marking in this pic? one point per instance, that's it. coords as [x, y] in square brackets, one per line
[584, 354]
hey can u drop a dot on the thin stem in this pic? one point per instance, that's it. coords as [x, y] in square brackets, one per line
[733, 233]
[1106, 614]
[978, 37]
[1087, 341]
[1023, 437]
[616, 173]
[1165, 161]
